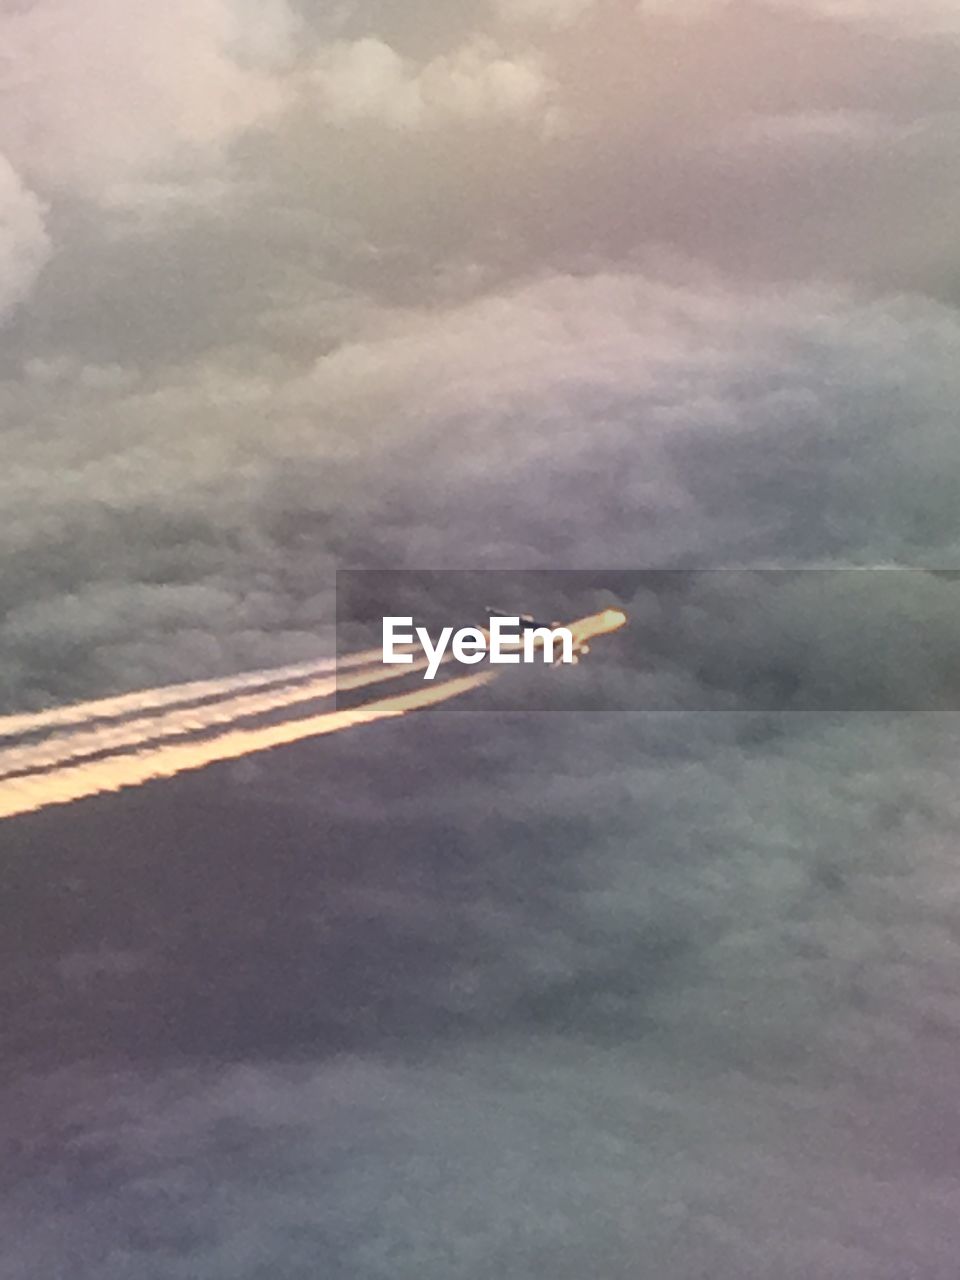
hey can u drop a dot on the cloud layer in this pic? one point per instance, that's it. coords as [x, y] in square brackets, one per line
[527, 285]
[669, 424]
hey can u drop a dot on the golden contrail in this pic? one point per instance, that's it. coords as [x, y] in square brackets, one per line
[140, 732]
[32, 792]
[173, 695]
[105, 752]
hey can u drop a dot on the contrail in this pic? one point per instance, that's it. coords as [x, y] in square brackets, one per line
[106, 750]
[32, 792]
[140, 732]
[173, 695]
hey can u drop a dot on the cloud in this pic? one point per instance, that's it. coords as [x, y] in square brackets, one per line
[926, 17]
[98, 95]
[674, 988]
[679, 988]
[557, 13]
[367, 80]
[900, 17]
[63, 370]
[24, 243]
[617, 367]
[680, 422]
[853, 129]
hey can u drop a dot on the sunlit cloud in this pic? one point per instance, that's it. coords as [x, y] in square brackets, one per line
[98, 95]
[368, 81]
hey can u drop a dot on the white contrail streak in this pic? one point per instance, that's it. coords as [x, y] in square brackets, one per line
[154, 733]
[138, 733]
[32, 792]
[173, 695]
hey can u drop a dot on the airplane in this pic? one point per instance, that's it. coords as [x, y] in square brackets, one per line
[527, 621]
[583, 629]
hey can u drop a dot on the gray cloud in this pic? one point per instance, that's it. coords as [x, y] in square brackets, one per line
[482, 993]
[634, 982]
[668, 424]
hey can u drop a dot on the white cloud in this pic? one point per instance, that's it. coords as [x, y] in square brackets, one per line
[24, 243]
[96, 94]
[368, 80]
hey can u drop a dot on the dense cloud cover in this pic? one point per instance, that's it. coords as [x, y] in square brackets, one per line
[587, 284]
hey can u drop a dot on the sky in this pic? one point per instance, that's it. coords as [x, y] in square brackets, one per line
[289, 287]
